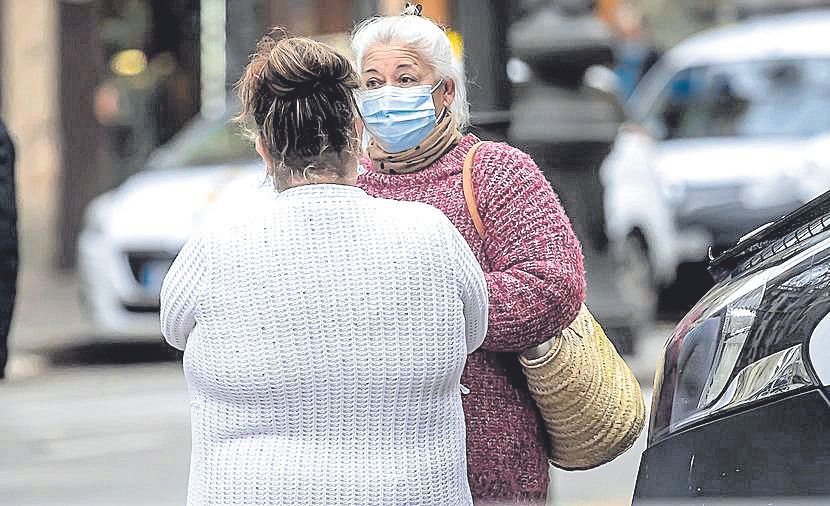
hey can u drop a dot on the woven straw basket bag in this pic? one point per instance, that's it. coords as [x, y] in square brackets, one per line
[588, 397]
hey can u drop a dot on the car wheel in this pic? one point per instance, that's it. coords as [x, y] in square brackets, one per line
[635, 280]
[623, 339]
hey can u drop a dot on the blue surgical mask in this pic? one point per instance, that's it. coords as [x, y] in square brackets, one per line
[398, 118]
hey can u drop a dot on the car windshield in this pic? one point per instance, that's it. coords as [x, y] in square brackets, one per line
[205, 142]
[782, 98]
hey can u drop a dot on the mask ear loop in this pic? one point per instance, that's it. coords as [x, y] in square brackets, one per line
[364, 137]
[445, 110]
[437, 85]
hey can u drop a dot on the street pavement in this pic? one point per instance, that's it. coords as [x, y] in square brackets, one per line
[79, 430]
[115, 435]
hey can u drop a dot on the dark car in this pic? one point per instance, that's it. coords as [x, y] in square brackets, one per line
[741, 406]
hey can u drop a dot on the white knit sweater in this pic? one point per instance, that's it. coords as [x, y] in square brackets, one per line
[325, 332]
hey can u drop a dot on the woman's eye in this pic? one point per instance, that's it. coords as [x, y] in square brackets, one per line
[407, 80]
[372, 84]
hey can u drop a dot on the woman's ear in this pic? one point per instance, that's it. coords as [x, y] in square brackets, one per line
[263, 151]
[358, 127]
[448, 93]
[361, 136]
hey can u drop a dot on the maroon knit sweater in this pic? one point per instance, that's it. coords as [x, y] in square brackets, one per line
[533, 264]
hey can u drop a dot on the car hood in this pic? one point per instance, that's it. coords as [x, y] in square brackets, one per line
[767, 170]
[164, 206]
[789, 232]
[724, 161]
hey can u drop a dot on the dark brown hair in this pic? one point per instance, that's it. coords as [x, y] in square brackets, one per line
[296, 94]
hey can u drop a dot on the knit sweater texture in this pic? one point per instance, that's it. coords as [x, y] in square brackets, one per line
[324, 335]
[533, 265]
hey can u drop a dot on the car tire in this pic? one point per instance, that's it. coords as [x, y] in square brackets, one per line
[636, 283]
[623, 339]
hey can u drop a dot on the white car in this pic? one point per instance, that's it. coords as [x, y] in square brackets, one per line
[132, 234]
[729, 130]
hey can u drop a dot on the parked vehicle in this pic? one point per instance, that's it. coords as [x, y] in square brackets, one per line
[741, 401]
[731, 126]
[132, 234]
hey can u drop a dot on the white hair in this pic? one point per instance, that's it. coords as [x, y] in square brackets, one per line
[428, 40]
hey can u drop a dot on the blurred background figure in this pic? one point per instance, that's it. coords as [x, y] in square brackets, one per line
[633, 53]
[8, 242]
[148, 85]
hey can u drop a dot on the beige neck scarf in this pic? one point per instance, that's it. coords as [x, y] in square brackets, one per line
[443, 137]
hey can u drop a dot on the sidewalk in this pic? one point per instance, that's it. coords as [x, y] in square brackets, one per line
[47, 316]
[48, 312]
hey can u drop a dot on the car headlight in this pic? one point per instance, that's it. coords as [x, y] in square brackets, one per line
[745, 341]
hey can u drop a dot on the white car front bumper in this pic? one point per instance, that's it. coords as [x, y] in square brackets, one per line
[120, 285]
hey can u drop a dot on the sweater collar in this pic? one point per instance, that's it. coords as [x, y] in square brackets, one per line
[326, 190]
[451, 163]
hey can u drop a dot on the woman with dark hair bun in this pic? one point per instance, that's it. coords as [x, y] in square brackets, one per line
[324, 331]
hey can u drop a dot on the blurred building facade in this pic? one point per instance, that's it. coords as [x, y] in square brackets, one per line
[667, 22]
[90, 87]
[29, 80]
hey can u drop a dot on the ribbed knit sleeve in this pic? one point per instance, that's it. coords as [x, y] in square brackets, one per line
[536, 278]
[473, 286]
[180, 291]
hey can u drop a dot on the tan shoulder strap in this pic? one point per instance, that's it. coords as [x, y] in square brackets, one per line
[469, 191]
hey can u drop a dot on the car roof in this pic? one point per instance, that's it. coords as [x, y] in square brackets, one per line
[803, 34]
[797, 35]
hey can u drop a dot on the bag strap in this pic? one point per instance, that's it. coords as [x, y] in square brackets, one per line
[469, 191]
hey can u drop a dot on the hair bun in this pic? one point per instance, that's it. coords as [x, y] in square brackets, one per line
[299, 66]
[298, 92]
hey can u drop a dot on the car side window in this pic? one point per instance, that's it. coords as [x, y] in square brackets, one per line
[708, 101]
[667, 113]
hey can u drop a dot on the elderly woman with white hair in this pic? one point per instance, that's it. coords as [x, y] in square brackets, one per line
[412, 101]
